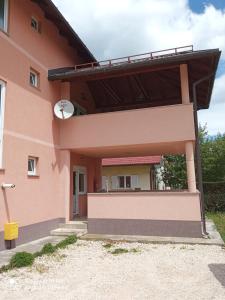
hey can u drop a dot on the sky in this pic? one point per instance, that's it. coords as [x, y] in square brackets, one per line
[117, 28]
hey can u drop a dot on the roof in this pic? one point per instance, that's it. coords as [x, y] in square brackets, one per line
[141, 160]
[52, 13]
[110, 82]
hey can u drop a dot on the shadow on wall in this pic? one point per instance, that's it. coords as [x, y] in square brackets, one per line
[218, 271]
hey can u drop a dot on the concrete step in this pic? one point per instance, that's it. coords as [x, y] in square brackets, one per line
[68, 231]
[74, 225]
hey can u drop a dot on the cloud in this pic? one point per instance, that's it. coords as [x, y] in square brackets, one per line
[214, 116]
[120, 28]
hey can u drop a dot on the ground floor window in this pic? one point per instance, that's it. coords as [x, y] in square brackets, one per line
[32, 166]
[124, 182]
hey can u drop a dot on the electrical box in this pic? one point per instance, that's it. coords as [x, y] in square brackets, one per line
[11, 231]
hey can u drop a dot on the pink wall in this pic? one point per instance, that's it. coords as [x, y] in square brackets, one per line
[167, 126]
[30, 128]
[145, 205]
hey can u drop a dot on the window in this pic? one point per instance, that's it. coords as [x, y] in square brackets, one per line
[3, 14]
[2, 105]
[34, 78]
[81, 183]
[32, 166]
[124, 182]
[34, 23]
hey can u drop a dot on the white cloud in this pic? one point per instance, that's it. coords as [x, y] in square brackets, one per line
[119, 28]
[214, 117]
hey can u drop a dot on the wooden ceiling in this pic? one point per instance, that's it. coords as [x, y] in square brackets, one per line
[136, 90]
[146, 83]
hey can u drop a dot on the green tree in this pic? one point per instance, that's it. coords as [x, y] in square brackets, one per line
[213, 161]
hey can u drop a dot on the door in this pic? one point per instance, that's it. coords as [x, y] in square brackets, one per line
[79, 187]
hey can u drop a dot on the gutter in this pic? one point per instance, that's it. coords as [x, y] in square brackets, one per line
[198, 153]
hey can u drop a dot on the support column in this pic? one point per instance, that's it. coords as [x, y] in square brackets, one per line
[189, 148]
[65, 90]
[184, 84]
[65, 182]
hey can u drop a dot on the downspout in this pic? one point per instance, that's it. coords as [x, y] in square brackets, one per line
[198, 154]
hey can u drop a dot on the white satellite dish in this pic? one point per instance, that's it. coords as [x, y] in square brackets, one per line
[64, 109]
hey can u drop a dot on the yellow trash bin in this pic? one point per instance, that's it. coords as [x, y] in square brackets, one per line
[11, 231]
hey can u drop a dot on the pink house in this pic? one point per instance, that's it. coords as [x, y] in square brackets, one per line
[133, 106]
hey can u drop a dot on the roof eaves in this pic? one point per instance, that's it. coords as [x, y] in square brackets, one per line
[71, 72]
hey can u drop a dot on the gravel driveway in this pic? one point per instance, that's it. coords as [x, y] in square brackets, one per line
[87, 270]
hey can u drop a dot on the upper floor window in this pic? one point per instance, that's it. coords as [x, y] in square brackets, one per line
[34, 78]
[3, 14]
[35, 24]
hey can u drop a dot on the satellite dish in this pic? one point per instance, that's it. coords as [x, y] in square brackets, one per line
[64, 109]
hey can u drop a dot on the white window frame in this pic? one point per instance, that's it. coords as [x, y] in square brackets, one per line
[36, 78]
[6, 12]
[34, 171]
[2, 114]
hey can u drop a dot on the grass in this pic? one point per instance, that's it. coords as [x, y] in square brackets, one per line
[119, 251]
[122, 251]
[107, 246]
[23, 259]
[219, 220]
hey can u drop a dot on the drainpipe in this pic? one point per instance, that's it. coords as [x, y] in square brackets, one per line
[198, 154]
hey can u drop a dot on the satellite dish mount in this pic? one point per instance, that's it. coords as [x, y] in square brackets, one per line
[64, 109]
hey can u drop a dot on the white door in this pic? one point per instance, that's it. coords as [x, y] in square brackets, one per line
[79, 186]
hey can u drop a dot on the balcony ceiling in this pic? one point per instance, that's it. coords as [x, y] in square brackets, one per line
[145, 82]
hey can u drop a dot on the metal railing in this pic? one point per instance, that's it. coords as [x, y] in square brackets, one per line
[135, 58]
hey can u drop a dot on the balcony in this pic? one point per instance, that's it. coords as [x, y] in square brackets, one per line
[147, 131]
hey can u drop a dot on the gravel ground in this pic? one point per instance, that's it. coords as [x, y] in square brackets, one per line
[87, 270]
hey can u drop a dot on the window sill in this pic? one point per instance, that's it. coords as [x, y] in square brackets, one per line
[4, 31]
[37, 88]
[33, 176]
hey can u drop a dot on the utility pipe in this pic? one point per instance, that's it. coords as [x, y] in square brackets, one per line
[198, 154]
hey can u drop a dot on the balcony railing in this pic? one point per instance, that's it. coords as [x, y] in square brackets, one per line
[135, 58]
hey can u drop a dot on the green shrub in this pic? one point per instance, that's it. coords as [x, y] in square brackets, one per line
[119, 251]
[107, 246]
[214, 194]
[37, 254]
[68, 241]
[48, 249]
[21, 259]
[4, 268]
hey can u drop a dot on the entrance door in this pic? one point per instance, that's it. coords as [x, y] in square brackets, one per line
[79, 187]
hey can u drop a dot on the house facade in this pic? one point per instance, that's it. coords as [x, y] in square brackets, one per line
[50, 169]
[132, 174]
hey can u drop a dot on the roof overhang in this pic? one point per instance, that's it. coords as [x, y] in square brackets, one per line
[52, 13]
[200, 63]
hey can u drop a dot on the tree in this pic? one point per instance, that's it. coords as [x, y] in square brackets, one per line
[213, 162]
[174, 171]
[213, 156]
